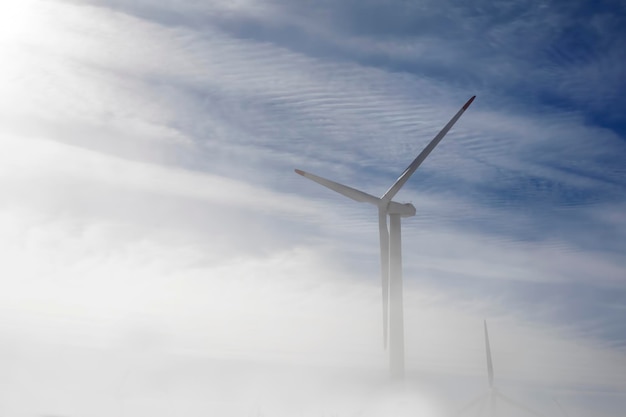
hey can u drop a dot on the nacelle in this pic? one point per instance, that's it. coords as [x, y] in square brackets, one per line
[404, 210]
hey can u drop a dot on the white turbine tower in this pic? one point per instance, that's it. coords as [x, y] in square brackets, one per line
[493, 395]
[390, 246]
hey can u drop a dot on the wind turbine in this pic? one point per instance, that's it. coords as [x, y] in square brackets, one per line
[493, 395]
[390, 245]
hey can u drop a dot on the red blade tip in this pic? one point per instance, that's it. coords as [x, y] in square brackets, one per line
[299, 172]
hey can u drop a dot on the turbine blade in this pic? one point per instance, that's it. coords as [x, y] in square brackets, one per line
[480, 399]
[349, 192]
[384, 269]
[480, 407]
[560, 407]
[391, 192]
[517, 404]
[489, 362]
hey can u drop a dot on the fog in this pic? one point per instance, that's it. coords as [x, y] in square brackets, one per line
[119, 298]
[72, 381]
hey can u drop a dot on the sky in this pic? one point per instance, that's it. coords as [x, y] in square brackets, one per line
[159, 253]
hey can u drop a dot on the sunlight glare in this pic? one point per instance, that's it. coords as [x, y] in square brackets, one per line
[19, 19]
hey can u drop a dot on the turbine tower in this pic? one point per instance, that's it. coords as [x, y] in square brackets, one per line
[493, 395]
[390, 245]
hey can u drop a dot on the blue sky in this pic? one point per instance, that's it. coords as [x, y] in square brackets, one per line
[149, 205]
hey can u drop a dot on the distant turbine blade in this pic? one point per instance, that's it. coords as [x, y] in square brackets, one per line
[349, 192]
[517, 404]
[489, 363]
[478, 400]
[391, 192]
[481, 406]
[384, 268]
[560, 407]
